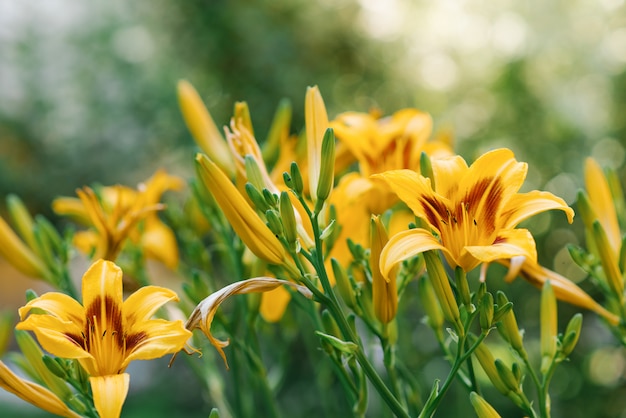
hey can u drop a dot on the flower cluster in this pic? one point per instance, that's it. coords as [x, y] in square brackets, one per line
[339, 221]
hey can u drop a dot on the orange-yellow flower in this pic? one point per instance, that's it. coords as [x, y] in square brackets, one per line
[472, 212]
[105, 333]
[118, 213]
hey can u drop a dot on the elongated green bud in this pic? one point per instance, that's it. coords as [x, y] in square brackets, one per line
[572, 333]
[507, 376]
[54, 366]
[548, 316]
[443, 290]
[486, 311]
[274, 223]
[327, 168]
[50, 233]
[463, 287]
[508, 327]
[253, 172]
[256, 198]
[296, 178]
[482, 407]
[585, 209]
[430, 303]
[609, 261]
[289, 219]
[488, 364]
[426, 168]
[270, 198]
[617, 194]
[343, 284]
[21, 219]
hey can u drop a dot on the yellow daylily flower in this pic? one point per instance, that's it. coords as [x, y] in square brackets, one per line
[202, 315]
[105, 333]
[472, 211]
[118, 213]
[378, 145]
[33, 393]
[564, 289]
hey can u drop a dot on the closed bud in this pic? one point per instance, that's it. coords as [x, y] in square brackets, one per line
[430, 303]
[501, 311]
[274, 223]
[482, 289]
[330, 326]
[585, 209]
[21, 219]
[488, 364]
[256, 198]
[508, 327]
[215, 413]
[463, 288]
[296, 178]
[384, 290]
[486, 311]
[609, 261]
[617, 194]
[253, 172]
[482, 407]
[327, 168]
[572, 333]
[49, 233]
[426, 168]
[517, 371]
[443, 290]
[548, 316]
[289, 219]
[343, 284]
[270, 198]
[507, 376]
[54, 366]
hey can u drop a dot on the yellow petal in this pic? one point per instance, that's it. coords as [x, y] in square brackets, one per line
[405, 245]
[102, 290]
[509, 244]
[159, 242]
[109, 394]
[274, 303]
[316, 120]
[447, 172]
[602, 202]
[72, 207]
[154, 339]
[143, 303]
[61, 338]
[33, 393]
[202, 127]
[56, 304]
[524, 205]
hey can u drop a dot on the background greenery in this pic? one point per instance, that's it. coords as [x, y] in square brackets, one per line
[87, 94]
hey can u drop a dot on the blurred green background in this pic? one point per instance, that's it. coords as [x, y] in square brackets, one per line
[88, 94]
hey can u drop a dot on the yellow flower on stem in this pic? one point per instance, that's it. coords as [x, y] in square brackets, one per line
[118, 213]
[33, 393]
[202, 315]
[378, 145]
[471, 211]
[105, 333]
[316, 120]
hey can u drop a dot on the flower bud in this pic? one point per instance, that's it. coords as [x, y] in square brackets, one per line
[463, 288]
[343, 284]
[486, 311]
[488, 364]
[548, 317]
[256, 198]
[426, 168]
[507, 376]
[609, 261]
[443, 290]
[274, 222]
[21, 219]
[430, 303]
[203, 129]
[253, 172]
[572, 333]
[327, 166]
[384, 291]
[508, 327]
[289, 219]
[316, 120]
[482, 407]
[296, 178]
